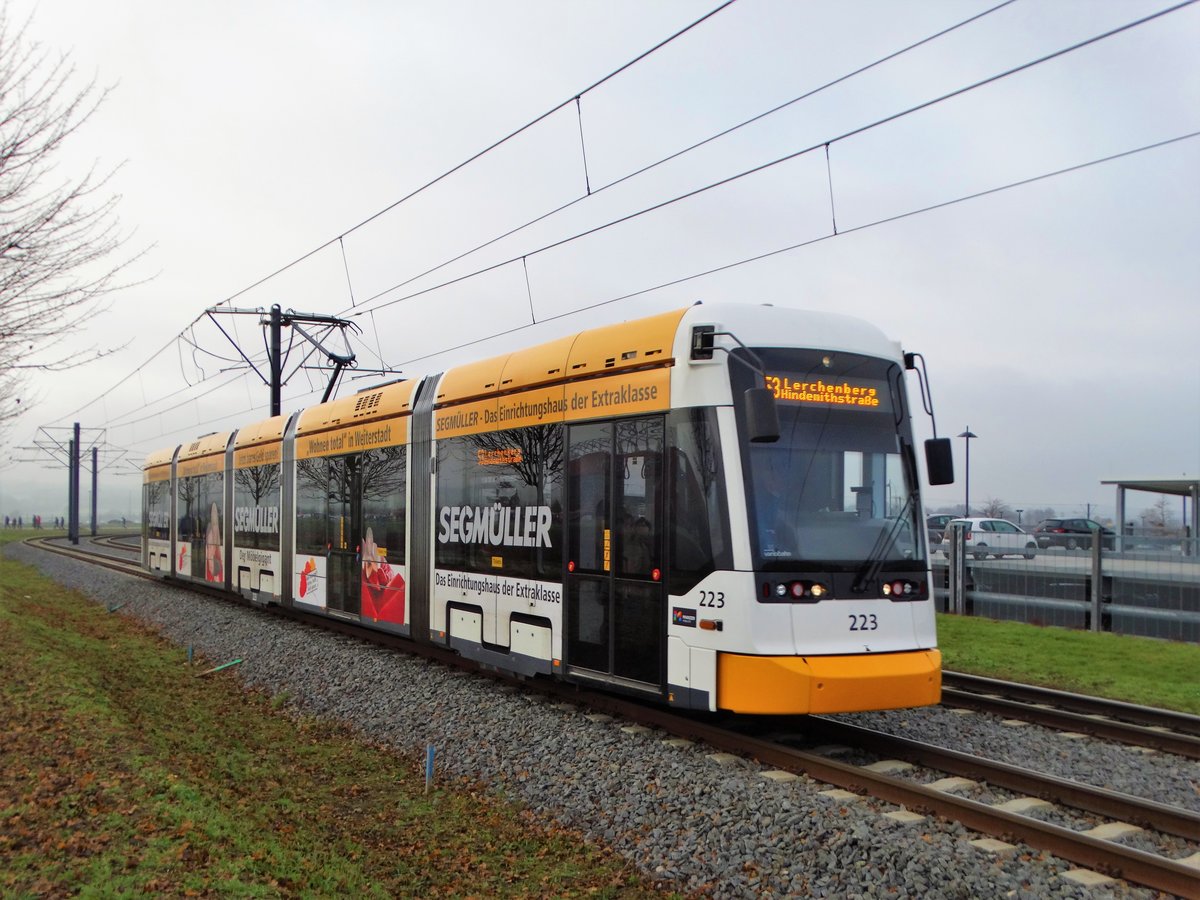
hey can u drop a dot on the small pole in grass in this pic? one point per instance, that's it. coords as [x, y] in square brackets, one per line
[429, 754]
[114, 608]
[189, 654]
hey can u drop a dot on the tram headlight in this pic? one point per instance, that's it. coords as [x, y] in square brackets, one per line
[810, 591]
[903, 589]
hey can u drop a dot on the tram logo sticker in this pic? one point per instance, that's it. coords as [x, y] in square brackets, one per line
[684, 617]
[311, 579]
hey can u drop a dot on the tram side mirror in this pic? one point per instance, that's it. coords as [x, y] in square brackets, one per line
[939, 461]
[762, 418]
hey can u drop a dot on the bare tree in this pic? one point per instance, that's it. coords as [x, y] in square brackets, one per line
[997, 509]
[59, 235]
[1160, 518]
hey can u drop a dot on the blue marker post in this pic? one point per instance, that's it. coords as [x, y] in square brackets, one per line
[429, 753]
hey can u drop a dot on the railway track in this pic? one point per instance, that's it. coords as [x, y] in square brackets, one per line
[1127, 723]
[1085, 848]
[1098, 801]
[999, 821]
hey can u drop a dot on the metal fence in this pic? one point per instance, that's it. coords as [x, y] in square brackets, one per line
[1125, 584]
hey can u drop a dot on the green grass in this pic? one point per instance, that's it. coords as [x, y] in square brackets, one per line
[121, 772]
[1133, 669]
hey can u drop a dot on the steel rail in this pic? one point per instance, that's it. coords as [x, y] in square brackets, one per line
[1095, 724]
[129, 567]
[1136, 866]
[1146, 716]
[1090, 798]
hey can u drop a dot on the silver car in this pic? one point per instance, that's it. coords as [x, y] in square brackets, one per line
[992, 537]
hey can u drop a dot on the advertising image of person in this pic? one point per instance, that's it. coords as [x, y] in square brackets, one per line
[214, 556]
[382, 589]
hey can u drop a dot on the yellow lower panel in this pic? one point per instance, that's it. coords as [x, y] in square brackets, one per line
[828, 684]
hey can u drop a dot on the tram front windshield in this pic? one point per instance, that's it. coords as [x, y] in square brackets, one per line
[837, 489]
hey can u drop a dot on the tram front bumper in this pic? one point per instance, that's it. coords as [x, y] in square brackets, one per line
[796, 685]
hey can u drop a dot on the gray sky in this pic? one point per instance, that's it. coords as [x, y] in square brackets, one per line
[1059, 319]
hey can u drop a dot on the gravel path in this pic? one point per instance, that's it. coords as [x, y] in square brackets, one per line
[699, 826]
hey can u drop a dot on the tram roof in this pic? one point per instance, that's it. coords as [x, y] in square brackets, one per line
[160, 457]
[261, 432]
[205, 446]
[608, 348]
[367, 405]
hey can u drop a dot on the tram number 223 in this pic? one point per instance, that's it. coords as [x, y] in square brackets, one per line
[712, 599]
[863, 622]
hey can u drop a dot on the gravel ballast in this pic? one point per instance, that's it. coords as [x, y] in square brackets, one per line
[694, 824]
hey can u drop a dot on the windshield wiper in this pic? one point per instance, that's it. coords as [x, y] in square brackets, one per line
[883, 544]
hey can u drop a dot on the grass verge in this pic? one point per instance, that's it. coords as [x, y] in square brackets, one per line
[121, 772]
[1133, 669]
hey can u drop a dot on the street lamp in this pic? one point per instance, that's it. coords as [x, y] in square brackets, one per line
[1019, 511]
[966, 436]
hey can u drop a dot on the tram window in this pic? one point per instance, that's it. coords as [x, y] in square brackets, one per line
[639, 447]
[499, 502]
[312, 506]
[639, 536]
[384, 479]
[256, 499]
[590, 473]
[854, 493]
[699, 536]
[201, 499]
[157, 510]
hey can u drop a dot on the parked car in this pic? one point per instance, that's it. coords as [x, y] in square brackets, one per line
[992, 537]
[1072, 533]
[936, 526]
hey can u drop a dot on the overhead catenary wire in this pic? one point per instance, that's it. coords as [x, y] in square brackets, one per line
[675, 155]
[429, 184]
[775, 252]
[788, 157]
[819, 240]
[360, 310]
[125, 421]
[346, 266]
[491, 147]
[812, 92]
[763, 256]
[732, 265]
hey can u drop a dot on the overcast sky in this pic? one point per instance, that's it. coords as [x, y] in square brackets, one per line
[1059, 319]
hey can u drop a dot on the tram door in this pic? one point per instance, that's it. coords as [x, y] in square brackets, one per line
[344, 588]
[614, 589]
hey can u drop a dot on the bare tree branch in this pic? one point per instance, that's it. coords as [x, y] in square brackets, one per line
[60, 239]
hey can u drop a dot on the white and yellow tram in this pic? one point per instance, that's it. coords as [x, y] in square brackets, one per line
[604, 508]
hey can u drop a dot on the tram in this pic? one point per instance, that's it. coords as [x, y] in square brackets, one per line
[717, 508]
